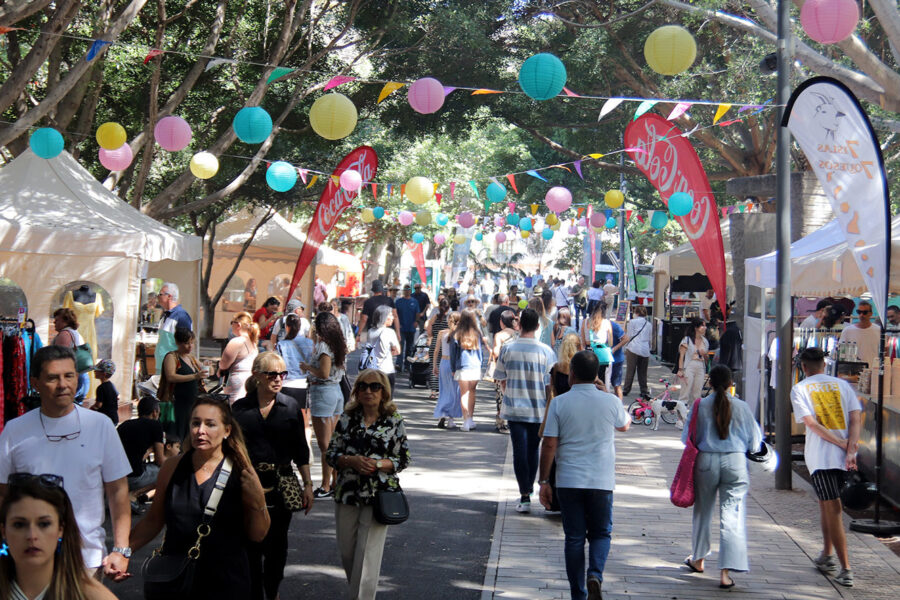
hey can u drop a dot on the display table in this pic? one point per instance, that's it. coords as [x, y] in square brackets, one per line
[890, 472]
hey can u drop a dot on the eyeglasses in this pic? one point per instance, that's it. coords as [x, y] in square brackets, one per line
[275, 374]
[48, 480]
[59, 438]
[864, 312]
[161, 294]
[372, 386]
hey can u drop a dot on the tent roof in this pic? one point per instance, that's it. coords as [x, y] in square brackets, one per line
[760, 270]
[683, 259]
[278, 240]
[56, 206]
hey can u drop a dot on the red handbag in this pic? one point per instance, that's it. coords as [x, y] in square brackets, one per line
[682, 490]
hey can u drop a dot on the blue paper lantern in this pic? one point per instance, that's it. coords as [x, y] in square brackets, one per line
[512, 219]
[418, 238]
[46, 142]
[542, 76]
[659, 219]
[680, 204]
[378, 212]
[547, 233]
[479, 236]
[441, 219]
[281, 176]
[611, 223]
[525, 224]
[252, 124]
[496, 192]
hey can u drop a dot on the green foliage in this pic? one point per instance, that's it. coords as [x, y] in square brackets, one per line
[572, 255]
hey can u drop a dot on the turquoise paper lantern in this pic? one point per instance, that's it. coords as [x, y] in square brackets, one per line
[496, 192]
[441, 219]
[512, 219]
[479, 236]
[378, 212]
[46, 142]
[659, 219]
[611, 223]
[680, 204]
[418, 238]
[525, 224]
[252, 124]
[281, 176]
[542, 76]
[547, 234]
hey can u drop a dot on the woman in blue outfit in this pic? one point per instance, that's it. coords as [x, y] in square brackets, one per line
[448, 406]
[726, 430]
[467, 355]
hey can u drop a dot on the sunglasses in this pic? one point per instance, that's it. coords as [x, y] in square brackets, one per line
[48, 480]
[275, 374]
[864, 312]
[372, 386]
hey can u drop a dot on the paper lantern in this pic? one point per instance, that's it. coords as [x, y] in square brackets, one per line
[556, 226]
[118, 159]
[551, 219]
[558, 199]
[547, 234]
[525, 224]
[496, 192]
[465, 219]
[204, 165]
[525, 234]
[479, 236]
[538, 225]
[599, 229]
[333, 116]
[680, 204]
[598, 219]
[611, 223]
[46, 142]
[281, 176]
[378, 212]
[426, 95]
[542, 76]
[573, 230]
[111, 136]
[252, 124]
[423, 218]
[439, 239]
[659, 219]
[441, 219]
[670, 50]
[459, 239]
[583, 222]
[367, 215]
[499, 221]
[829, 21]
[500, 237]
[418, 238]
[512, 219]
[172, 133]
[614, 198]
[406, 218]
[351, 180]
[523, 304]
[419, 190]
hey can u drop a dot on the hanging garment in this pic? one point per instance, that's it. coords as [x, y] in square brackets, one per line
[33, 343]
[86, 313]
[15, 381]
[2, 387]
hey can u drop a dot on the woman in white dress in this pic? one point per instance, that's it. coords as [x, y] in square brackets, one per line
[239, 354]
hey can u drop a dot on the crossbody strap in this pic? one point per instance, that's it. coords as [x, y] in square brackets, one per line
[203, 529]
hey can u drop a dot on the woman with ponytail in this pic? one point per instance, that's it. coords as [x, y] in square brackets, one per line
[239, 354]
[725, 431]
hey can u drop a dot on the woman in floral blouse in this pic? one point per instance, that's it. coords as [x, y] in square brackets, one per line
[368, 449]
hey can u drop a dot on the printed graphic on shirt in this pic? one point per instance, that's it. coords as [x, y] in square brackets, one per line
[826, 400]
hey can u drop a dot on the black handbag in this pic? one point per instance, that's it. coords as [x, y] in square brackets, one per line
[391, 507]
[171, 577]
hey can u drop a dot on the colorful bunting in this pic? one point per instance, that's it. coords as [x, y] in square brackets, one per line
[95, 49]
[402, 189]
[560, 167]
[640, 218]
[512, 182]
[278, 73]
[731, 122]
[511, 206]
[452, 189]
[609, 106]
[635, 150]
[374, 191]
[302, 173]
[312, 181]
[389, 88]
[720, 112]
[336, 181]
[628, 215]
[390, 190]
[448, 89]
[642, 108]
[486, 91]
[474, 186]
[570, 93]
[596, 155]
[580, 212]
[534, 209]
[724, 211]
[216, 62]
[338, 80]
[680, 109]
[153, 52]
[438, 197]
[4, 30]
[577, 165]
[535, 174]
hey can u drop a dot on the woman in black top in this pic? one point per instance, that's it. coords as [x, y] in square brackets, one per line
[182, 369]
[274, 430]
[183, 490]
[436, 324]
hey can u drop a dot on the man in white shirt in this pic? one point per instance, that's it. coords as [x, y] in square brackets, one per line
[579, 433]
[829, 408]
[637, 351]
[865, 333]
[610, 291]
[83, 448]
[706, 303]
[561, 295]
[814, 320]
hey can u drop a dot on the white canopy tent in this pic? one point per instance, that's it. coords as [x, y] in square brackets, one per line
[59, 225]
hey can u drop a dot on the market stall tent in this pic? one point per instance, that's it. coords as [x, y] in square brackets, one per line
[59, 225]
[271, 256]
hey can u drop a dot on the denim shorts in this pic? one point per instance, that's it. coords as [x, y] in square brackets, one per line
[615, 378]
[326, 400]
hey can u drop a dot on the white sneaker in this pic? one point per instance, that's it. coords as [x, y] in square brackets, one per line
[523, 507]
[451, 424]
[465, 425]
[471, 423]
[679, 425]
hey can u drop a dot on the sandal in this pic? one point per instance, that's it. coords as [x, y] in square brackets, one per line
[690, 565]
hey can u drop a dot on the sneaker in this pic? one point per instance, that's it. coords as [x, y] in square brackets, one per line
[593, 586]
[451, 424]
[679, 425]
[321, 493]
[827, 564]
[470, 423]
[465, 426]
[524, 506]
[442, 423]
[844, 578]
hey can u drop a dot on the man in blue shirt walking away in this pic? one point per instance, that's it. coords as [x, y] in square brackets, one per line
[407, 309]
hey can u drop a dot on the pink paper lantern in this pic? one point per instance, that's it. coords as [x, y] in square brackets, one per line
[829, 21]
[558, 199]
[172, 133]
[426, 95]
[500, 237]
[573, 230]
[499, 221]
[582, 222]
[116, 160]
[439, 239]
[351, 180]
[598, 219]
[406, 218]
[465, 219]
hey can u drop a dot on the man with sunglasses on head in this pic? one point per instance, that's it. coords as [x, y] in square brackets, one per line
[82, 447]
[864, 333]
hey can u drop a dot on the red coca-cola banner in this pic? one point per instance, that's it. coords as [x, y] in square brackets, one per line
[333, 202]
[418, 254]
[671, 164]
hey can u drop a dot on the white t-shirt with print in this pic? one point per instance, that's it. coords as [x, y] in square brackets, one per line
[830, 400]
[93, 458]
[382, 342]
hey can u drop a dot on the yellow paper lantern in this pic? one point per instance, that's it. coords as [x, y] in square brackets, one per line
[670, 50]
[614, 198]
[555, 226]
[459, 239]
[111, 136]
[367, 215]
[551, 219]
[526, 234]
[419, 190]
[204, 165]
[333, 116]
[423, 218]
[598, 229]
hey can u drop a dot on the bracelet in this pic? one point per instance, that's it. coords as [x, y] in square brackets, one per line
[544, 482]
[261, 509]
[307, 483]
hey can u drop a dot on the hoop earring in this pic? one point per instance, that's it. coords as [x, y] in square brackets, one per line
[59, 546]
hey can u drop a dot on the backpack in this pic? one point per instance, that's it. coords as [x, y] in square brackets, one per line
[367, 356]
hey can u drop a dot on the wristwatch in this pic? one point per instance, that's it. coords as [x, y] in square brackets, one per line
[126, 551]
[544, 481]
[378, 464]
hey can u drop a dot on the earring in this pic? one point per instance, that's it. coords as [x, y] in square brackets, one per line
[59, 545]
[4, 549]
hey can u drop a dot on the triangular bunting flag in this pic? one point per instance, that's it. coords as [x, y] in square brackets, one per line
[336, 181]
[312, 181]
[452, 189]
[596, 155]
[389, 88]
[731, 122]
[720, 112]
[402, 189]
[609, 106]
[474, 187]
[580, 212]
[535, 174]
[216, 62]
[448, 89]
[512, 182]
[438, 197]
[486, 91]
[302, 173]
[435, 188]
[390, 189]
[278, 73]
[4, 30]
[680, 109]
[95, 49]
[608, 212]
[153, 52]
[628, 213]
[374, 191]
[741, 207]
[640, 218]
[642, 108]
[577, 165]
[511, 206]
[561, 167]
[487, 205]
[759, 109]
[338, 80]
[534, 208]
[570, 93]
[635, 150]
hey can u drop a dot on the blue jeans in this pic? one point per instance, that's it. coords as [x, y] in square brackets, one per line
[525, 445]
[407, 339]
[586, 514]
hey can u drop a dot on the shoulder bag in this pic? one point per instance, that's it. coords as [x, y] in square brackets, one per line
[682, 490]
[84, 359]
[287, 485]
[391, 506]
[171, 577]
[604, 354]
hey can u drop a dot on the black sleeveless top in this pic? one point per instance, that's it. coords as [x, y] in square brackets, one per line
[561, 382]
[223, 571]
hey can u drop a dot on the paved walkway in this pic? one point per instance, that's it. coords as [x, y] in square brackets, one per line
[651, 538]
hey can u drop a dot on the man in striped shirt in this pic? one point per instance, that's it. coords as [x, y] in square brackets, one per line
[523, 370]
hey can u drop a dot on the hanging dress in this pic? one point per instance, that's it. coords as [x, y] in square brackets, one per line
[86, 314]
